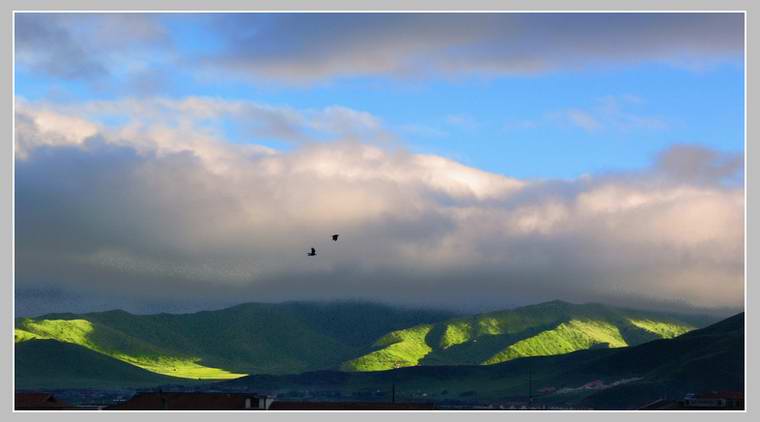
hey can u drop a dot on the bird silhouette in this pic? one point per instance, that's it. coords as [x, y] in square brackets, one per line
[312, 253]
[335, 237]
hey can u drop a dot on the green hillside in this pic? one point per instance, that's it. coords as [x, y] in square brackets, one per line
[708, 359]
[399, 348]
[245, 339]
[565, 338]
[546, 329]
[121, 346]
[296, 337]
[53, 364]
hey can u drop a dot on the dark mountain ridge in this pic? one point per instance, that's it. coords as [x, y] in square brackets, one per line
[298, 337]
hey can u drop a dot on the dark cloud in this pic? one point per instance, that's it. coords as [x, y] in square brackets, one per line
[46, 46]
[309, 47]
[695, 164]
[136, 50]
[138, 220]
[91, 47]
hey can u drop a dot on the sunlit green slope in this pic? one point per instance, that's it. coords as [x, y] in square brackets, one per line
[546, 329]
[298, 337]
[116, 344]
[245, 339]
[399, 348]
[707, 359]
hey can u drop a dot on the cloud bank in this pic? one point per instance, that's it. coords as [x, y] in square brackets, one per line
[309, 47]
[167, 213]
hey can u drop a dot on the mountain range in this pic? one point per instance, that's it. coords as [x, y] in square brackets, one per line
[702, 360]
[291, 338]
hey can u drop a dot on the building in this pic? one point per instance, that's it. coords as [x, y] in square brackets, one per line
[724, 400]
[348, 405]
[715, 400]
[158, 400]
[40, 401]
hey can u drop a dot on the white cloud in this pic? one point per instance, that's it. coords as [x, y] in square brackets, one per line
[192, 124]
[607, 114]
[583, 119]
[463, 121]
[173, 212]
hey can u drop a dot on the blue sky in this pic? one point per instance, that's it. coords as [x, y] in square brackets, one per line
[188, 161]
[556, 123]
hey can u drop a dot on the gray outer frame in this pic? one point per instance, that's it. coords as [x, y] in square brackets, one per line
[6, 192]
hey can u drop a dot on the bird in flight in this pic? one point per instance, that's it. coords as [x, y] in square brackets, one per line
[312, 253]
[335, 237]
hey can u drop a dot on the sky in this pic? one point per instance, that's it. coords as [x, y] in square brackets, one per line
[177, 162]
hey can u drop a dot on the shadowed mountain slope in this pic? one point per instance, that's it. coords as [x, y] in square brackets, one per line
[249, 338]
[708, 359]
[53, 364]
[287, 338]
[545, 329]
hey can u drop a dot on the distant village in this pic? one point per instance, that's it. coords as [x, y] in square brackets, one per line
[82, 400]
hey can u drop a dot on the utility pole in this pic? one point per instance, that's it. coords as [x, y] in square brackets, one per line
[396, 365]
[530, 383]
